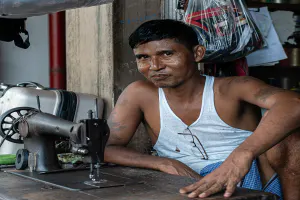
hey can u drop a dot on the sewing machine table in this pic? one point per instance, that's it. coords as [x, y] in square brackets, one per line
[156, 185]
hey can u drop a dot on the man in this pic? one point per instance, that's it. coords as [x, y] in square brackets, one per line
[201, 124]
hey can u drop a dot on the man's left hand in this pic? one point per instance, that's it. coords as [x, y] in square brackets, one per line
[226, 177]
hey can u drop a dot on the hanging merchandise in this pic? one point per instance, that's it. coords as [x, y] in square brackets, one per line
[225, 28]
[181, 4]
[11, 30]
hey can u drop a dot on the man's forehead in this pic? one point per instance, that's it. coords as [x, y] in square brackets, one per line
[157, 45]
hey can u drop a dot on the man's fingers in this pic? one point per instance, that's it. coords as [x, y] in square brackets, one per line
[217, 187]
[193, 186]
[230, 189]
[200, 189]
[189, 188]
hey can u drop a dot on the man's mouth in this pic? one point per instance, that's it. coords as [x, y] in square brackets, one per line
[159, 76]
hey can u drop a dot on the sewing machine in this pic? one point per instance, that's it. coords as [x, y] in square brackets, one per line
[40, 130]
[39, 159]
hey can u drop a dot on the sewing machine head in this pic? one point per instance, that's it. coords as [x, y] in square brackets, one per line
[40, 131]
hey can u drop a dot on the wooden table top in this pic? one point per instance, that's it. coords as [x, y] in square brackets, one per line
[155, 185]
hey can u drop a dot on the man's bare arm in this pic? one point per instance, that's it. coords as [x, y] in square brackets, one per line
[282, 118]
[123, 122]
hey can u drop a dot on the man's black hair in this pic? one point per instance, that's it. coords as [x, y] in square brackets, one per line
[155, 30]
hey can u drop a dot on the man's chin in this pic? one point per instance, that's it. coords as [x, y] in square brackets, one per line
[161, 85]
[166, 85]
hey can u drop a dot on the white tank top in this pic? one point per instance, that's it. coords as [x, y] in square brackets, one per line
[217, 138]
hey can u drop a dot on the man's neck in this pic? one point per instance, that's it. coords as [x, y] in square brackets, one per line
[187, 90]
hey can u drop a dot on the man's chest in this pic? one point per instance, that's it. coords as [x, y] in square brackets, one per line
[187, 114]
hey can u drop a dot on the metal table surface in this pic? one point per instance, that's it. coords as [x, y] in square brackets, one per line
[157, 185]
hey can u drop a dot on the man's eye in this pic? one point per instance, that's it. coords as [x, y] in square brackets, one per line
[168, 53]
[141, 57]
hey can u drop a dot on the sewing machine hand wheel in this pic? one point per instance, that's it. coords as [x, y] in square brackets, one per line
[9, 123]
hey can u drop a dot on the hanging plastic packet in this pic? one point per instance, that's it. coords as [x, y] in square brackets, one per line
[225, 28]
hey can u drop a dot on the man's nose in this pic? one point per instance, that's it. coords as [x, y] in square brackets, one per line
[155, 64]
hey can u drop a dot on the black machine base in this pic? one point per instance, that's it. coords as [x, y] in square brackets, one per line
[76, 180]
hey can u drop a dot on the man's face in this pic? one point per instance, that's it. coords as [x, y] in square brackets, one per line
[165, 63]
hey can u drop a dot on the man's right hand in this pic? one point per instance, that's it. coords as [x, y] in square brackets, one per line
[175, 167]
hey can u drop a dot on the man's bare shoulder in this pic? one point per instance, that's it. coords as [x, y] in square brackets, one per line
[140, 86]
[236, 80]
[139, 91]
[221, 85]
[231, 85]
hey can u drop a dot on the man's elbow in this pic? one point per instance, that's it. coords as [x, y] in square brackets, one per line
[292, 101]
[293, 105]
[296, 101]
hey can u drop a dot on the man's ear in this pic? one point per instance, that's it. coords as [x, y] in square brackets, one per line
[199, 52]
